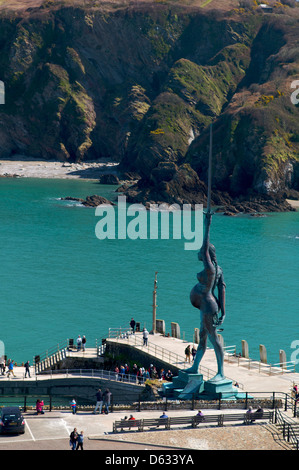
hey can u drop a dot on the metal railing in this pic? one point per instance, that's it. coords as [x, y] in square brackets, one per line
[274, 400]
[54, 354]
[51, 351]
[98, 373]
[290, 430]
[251, 364]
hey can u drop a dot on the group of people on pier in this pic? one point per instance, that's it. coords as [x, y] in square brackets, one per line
[140, 374]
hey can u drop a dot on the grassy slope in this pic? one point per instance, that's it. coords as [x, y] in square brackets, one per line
[223, 70]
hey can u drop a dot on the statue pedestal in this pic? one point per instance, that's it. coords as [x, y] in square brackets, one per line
[188, 386]
[220, 389]
[184, 386]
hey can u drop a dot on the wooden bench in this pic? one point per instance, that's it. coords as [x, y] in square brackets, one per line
[127, 424]
[249, 418]
[196, 420]
[156, 422]
[220, 419]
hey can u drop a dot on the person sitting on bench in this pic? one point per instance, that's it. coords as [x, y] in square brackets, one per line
[259, 412]
[200, 416]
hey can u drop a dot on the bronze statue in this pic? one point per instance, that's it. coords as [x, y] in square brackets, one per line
[203, 294]
[204, 298]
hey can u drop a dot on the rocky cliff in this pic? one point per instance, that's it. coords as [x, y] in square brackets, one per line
[141, 85]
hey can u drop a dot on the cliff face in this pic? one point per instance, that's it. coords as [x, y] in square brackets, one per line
[141, 85]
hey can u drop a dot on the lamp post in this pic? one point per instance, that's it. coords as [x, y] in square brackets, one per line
[154, 304]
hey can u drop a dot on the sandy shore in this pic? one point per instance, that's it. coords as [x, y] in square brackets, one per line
[26, 168]
[293, 203]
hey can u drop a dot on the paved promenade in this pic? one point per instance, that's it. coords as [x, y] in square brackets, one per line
[51, 432]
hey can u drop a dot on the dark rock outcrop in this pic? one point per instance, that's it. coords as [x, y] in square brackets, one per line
[90, 201]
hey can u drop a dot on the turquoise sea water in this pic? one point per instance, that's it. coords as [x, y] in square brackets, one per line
[59, 280]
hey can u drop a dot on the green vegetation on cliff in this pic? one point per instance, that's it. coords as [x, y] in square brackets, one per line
[142, 84]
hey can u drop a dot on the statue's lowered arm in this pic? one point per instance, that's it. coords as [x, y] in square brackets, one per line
[221, 299]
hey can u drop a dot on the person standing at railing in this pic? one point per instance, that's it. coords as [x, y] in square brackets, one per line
[83, 342]
[73, 406]
[140, 375]
[188, 353]
[122, 373]
[132, 325]
[2, 365]
[145, 336]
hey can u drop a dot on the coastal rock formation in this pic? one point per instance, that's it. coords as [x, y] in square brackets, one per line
[90, 201]
[141, 85]
[169, 184]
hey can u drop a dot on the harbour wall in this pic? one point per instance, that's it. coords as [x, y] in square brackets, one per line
[119, 351]
[83, 388]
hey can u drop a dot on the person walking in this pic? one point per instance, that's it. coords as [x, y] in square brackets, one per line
[73, 439]
[80, 439]
[27, 369]
[99, 403]
[10, 369]
[107, 400]
[145, 336]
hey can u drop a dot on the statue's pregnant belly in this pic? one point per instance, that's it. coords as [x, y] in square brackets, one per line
[203, 300]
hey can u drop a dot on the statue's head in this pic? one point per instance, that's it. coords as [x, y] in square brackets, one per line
[212, 253]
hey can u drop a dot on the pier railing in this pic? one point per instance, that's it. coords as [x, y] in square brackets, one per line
[60, 351]
[99, 374]
[251, 364]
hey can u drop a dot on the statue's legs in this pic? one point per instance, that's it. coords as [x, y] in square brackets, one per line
[203, 335]
[208, 330]
[219, 354]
